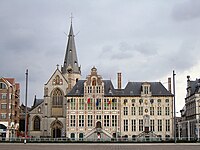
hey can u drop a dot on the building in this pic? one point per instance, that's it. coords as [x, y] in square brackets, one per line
[47, 116]
[140, 110]
[9, 107]
[22, 116]
[190, 123]
[93, 109]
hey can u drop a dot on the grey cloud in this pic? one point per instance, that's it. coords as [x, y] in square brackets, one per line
[187, 10]
[146, 48]
[186, 56]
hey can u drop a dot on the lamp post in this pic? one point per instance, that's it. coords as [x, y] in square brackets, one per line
[26, 105]
[174, 106]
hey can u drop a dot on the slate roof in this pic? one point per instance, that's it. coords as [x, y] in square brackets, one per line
[36, 103]
[131, 89]
[195, 86]
[156, 89]
[78, 89]
[71, 59]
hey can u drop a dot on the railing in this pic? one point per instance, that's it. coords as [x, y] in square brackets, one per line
[68, 140]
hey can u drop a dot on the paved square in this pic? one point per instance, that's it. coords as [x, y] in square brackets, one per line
[100, 146]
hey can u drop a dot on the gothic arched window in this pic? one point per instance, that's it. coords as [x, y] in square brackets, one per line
[57, 98]
[36, 124]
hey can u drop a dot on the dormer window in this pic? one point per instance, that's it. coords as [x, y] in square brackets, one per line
[146, 89]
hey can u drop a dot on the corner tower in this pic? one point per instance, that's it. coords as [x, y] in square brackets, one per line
[71, 70]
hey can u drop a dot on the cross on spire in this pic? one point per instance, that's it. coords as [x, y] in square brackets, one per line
[71, 17]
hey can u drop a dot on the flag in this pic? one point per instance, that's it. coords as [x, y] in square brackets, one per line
[97, 102]
[88, 100]
[109, 102]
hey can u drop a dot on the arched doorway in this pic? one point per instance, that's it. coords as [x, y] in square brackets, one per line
[98, 124]
[56, 127]
[80, 136]
[72, 136]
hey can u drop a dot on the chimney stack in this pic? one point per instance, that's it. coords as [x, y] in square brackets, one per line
[188, 81]
[169, 85]
[119, 80]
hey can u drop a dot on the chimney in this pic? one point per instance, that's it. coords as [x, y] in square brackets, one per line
[188, 81]
[119, 80]
[169, 85]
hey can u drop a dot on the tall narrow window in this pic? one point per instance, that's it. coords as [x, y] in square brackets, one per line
[98, 89]
[125, 111]
[98, 117]
[81, 104]
[167, 111]
[133, 111]
[81, 120]
[146, 89]
[140, 124]
[90, 104]
[90, 120]
[57, 98]
[159, 111]
[72, 120]
[106, 104]
[36, 124]
[106, 121]
[133, 125]
[114, 120]
[167, 125]
[140, 110]
[72, 104]
[125, 125]
[152, 125]
[114, 104]
[151, 111]
[98, 104]
[159, 125]
[89, 89]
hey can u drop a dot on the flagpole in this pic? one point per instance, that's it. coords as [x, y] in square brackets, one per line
[26, 106]
[174, 106]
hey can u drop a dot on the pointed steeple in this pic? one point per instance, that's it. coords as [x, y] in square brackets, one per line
[71, 61]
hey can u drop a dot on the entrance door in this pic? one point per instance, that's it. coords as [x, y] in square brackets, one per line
[56, 127]
[98, 124]
[56, 133]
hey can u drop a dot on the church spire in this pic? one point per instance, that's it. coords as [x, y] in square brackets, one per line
[71, 61]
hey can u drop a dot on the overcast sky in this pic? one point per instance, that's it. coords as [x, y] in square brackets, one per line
[144, 39]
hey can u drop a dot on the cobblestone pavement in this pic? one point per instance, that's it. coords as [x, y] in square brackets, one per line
[106, 146]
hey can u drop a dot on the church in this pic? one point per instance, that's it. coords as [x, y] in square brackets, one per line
[93, 109]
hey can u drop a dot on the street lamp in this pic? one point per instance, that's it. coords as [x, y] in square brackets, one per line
[26, 106]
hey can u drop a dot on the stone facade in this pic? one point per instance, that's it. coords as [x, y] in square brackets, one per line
[9, 107]
[189, 126]
[140, 110]
[94, 109]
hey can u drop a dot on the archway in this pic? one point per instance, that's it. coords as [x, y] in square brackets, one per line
[56, 127]
[98, 124]
[80, 136]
